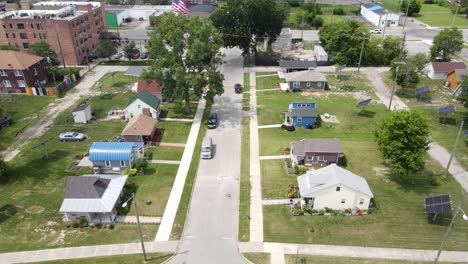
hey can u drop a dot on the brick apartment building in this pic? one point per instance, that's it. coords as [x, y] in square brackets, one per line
[71, 28]
[19, 70]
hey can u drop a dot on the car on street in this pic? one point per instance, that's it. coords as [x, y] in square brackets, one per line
[207, 148]
[5, 121]
[72, 136]
[213, 120]
[136, 55]
[144, 55]
[117, 56]
[376, 31]
[237, 88]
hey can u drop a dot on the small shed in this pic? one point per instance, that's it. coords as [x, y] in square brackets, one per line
[296, 65]
[82, 114]
[438, 70]
[321, 56]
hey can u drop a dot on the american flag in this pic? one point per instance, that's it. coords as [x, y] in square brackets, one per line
[178, 6]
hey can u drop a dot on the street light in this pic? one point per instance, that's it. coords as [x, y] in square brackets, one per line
[138, 223]
[444, 239]
[362, 49]
[398, 63]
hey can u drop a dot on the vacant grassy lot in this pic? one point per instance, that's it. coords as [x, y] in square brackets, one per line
[24, 110]
[101, 105]
[267, 82]
[293, 259]
[174, 132]
[244, 200]
[443, 20]
[176, 110]
[32, 194]
[115, 82]
[153, 258]
[165, 153]
[349, 82]
[275, 179]
[257, 258]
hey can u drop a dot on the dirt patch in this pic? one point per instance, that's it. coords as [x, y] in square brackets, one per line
[21, 194]
[35, 209]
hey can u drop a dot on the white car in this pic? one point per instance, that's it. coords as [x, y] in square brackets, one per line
[72, 136]
[376, 31]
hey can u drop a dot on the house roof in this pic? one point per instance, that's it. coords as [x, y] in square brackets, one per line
[112, 150]
[152, 87]
[305, 76]
[330, 176]
[441, 66]
[304, 112]
[378, 9]
[17, 60]
[135, 70]
[146, 97]
[92, 193]
[297, 64]
[81, 107]
[316, 145]
[141, 125]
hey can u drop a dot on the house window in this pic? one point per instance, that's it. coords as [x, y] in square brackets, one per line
[338, 188]
[6, 34]
[25, 45]
[319, 84]
[308, 84]
[343, 201]
[139, 106]
[20, 26]
[108, 163]
[13, 34]
[34, 35]
[321, 158]
[21, 83]
[361, 201]
[6, 83]
[23, 36]
[122, 163]
[18, 73]
[3, 73]
[299, 119]
[35, 72]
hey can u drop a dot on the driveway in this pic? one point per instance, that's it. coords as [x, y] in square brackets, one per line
[210, 234]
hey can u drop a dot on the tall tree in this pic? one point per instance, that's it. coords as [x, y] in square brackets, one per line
[447, 43]
[129, 50]
[403, 139]
[106, 49]
[185, 52]
[413, 8]
[243, 23]
[409, 72]
[43, 49]
[463, 97]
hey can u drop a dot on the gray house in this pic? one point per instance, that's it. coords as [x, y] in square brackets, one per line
[92, 197]
[306, 80]
[297, 65]
[115, 156]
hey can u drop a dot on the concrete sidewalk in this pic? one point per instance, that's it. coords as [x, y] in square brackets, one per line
[274, 157]
[276, 249]
[130, 219]
[86, 252]
[177, 119]
[269, 126]
[256, 209]
[279, 201]
[164, 161]
[165, 228]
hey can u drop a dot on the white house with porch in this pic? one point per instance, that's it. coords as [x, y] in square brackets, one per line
[92, 197]
[335, 188]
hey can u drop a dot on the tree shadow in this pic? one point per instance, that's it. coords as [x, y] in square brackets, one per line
[7, 211]
[447, 120]
[441, 219]
[419, 182]
[366, 113]
[347, 88]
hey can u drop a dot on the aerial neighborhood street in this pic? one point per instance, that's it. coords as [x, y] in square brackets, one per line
[237, 131]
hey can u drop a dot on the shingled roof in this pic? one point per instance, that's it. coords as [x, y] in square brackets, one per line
[316, 145]
[141, 125]
[146, 97]
[16, 60]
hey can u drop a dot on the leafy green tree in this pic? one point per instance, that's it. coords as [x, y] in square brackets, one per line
[403, 139]
[463, 97]
[243, 23]
[408, 73]
[129, 50]
[106, 49]
[317, 22]
[413, 8]
[312, 7]
[447, 43]
[43, 49]
[186, 58]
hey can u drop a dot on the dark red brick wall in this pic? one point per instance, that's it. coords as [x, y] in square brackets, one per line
[28, 76]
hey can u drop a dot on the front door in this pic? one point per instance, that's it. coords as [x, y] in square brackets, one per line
[296, 85]
[309, 201]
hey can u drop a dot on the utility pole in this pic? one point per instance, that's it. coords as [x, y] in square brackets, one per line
[360, 55]
[407, 9]
[61, 51]
[455, 15]
[398, 63]
[454, 147]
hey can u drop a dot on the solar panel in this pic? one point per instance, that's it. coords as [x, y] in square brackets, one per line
[339, 68]
[446, 109]
[422, 90]
[364, 102]
[438, 204]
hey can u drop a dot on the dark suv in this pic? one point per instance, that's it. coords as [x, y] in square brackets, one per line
[237, 88]
[213, 120]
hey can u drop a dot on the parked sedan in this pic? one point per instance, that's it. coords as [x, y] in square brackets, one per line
[213, 120]
[237, 88]
[117, 56]
[136, 55]
[144, 55]
[71, 136]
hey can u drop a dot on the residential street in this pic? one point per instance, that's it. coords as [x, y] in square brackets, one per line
[210, 234]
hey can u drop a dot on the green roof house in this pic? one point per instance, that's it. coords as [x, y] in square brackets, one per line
[143, 103]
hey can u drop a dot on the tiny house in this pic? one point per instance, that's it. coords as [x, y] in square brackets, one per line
[302, 114]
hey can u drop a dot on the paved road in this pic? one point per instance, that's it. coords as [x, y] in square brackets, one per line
[210, 234]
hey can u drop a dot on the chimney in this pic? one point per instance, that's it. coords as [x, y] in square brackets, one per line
[26, 4]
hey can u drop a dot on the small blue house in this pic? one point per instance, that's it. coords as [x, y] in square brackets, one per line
[301, 114]
[115, 156]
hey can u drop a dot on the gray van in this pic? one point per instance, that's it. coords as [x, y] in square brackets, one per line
[207, 148]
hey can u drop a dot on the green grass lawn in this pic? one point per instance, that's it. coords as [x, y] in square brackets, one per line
[174, 110]
[268, 82]
[101, 105]
[257, 258]
[351, 82]
[179, 221]
[294, 259]
[24, 110]
[174, 132]
[327, 19]
[115, 82]
[443, 20]
[349, 9]
[32, 194]
[164, 153]
[275, 179]
[246, 94]
[153, 258]
[244, 200]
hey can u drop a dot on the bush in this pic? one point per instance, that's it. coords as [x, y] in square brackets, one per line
[83, 223]
[75, 224]
[130, 172]
[318, 121]
[141, 164]
[98, 225]
[342, 161]
[288, 163]
[296, 211]
[111, 226]
[339, 11]
[436, 180]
